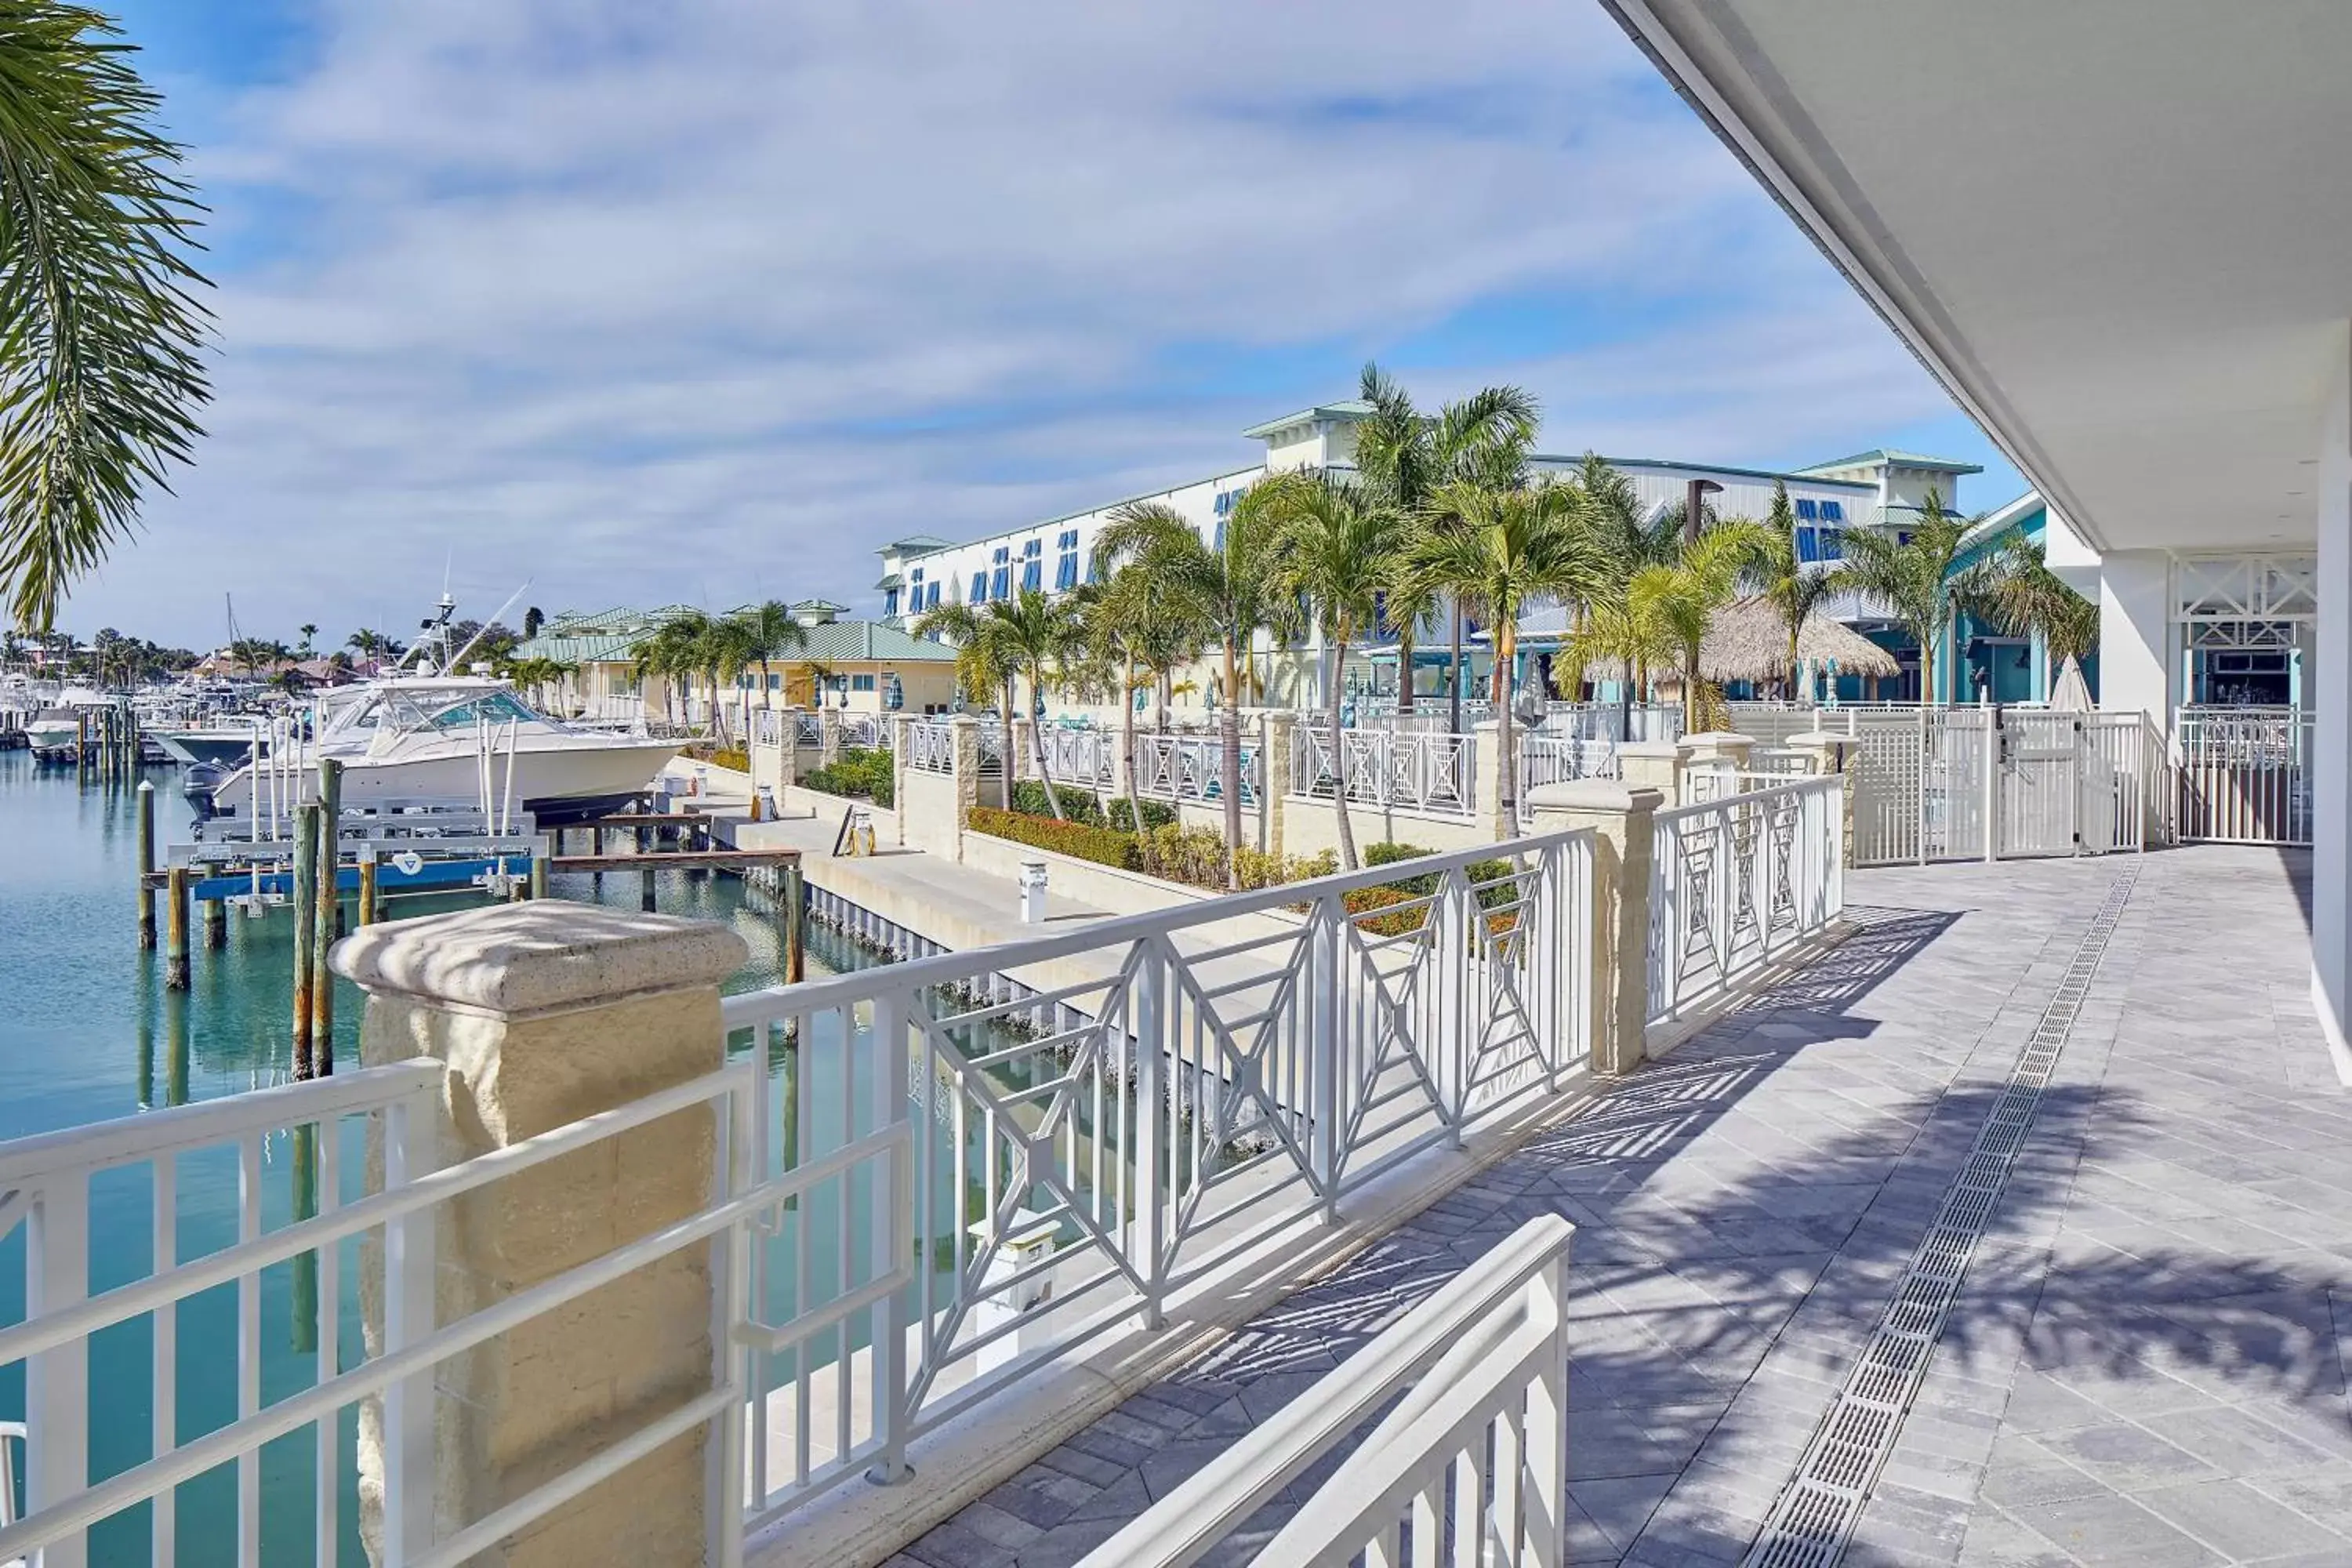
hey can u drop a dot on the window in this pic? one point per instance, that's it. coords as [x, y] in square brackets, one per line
[1833, 512]
[861, 683]
[1806, 510]
[1807, 547]
[979, 593]
[932, 598]
[1833, 548]
[1065, 570]
[890, 602]
[1033, 564]
[1000, 581]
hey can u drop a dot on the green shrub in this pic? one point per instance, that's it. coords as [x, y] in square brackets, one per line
[1156, 813]
[1100, 845]
[858, 773]
[1262, 868]
[1077, 804]
[1180, 854]
[1389, 854]
[725, 757]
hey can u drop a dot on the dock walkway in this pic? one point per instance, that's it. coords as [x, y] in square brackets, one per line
[2147, 1362]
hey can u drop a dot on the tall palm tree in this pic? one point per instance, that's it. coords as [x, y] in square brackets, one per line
[2022, 595]
[1407, 457]
[725, 652]
[1638, 625]
[1508, 548]
[771, 631]
[100, 328]
[1334, 553]
[1228, 586]
[1794, 588]
[986, 668]
[1913, 581]
[674, 655]
[1149, 638]
[1706, 576]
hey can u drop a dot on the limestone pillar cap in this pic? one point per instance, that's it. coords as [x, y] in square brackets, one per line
[1718, 738]
[544, 956]
[1649, 748]
[1593, 794]
[1823, 738]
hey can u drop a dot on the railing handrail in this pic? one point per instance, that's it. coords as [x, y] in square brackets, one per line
[131, 1139]
[747, 1008]
[1822, 782]
[1194, 1519]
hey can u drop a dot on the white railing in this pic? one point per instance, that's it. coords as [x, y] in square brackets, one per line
[1212, 1077]
[2244, 775]
[861, 730]
[1469, 1468]
[1738, 881]
[609, 709]
[808, 729]
[1433, 772]
[1559, 758]
[931, 746]
[771, 726]
[1086, 758]
[1192, 767]
[1614, 721]
[1979, 783]
[284, 1151]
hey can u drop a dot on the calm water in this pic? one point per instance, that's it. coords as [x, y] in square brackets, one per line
[86, 1034]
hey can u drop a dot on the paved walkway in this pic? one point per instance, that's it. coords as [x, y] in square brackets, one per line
[2146, 1365]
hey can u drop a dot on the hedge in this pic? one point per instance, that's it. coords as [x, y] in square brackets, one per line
[1079, 805]
[859, 773]
[1102, 845]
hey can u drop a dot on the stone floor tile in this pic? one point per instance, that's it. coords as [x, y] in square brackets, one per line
[2110, 1529]
[2239, 1522]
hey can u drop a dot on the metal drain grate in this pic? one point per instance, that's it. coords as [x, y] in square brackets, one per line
[1814, 1516]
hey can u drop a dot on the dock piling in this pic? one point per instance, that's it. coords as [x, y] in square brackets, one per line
[796, 902]
[146, 866]
[215, 924]
[645, 900]
[538, 876]
[326, 911]
[306, 898]
[175, 953]
[367, 888]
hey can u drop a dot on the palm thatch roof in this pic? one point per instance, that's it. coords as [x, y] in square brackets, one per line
[1747, 641]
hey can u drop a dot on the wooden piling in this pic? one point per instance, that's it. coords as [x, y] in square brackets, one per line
[796, 902]
[146, 866]
[216, 923]
[325, 910]
[81, 745]
[368, 916]
[538, 876]
[645, 900]
[176, 953]
[306, 898]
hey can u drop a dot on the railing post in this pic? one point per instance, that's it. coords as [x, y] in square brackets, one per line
[1835, 752]
[965, 730]
[1489, 801]
[902, 748]
[1624, 824]
[1653, 766]
[1281, 776]
[546, 1013]
[890, 1229]
[1324, 1072]
[56, 1382]
[1146, 1239]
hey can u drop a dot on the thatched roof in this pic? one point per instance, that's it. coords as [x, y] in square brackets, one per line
[1746, 640]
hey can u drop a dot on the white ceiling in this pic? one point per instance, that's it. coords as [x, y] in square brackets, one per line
[2120, 231]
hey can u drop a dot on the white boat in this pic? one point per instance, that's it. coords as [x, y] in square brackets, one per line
[443, 738]
[53, 729]
[228, 744]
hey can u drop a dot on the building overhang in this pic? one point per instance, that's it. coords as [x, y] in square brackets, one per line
[2113, 229]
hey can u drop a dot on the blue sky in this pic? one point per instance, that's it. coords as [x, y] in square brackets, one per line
[650, 301]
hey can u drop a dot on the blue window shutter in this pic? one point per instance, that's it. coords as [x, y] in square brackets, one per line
[979, 588]
[1833, 512]
[1806, 548]
[1831, 550]
[890, 602]
[1806, 510]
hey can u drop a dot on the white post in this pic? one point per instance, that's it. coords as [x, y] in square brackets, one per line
[1152, 1037]
[1624, 845]
[1992, 784]
[2331, 744]
[56, 1382]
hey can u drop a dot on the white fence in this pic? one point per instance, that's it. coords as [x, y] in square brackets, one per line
[1614, 721]
[1192, 767]
[1086, 758]
[1735, 882]
[1421, 771]
[2244, 775]
[931, 746]
[1234, 1070]
[1559, 759]
[1469, 1468]
[284, 1152]
[863, 730]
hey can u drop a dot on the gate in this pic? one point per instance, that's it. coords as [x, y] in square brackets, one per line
[1975, 783]
[2245, 774]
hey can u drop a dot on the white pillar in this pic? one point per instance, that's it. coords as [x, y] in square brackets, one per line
[2135, 663]
[2331, 759]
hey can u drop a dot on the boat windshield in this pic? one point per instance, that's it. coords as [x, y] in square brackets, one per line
[399, 712]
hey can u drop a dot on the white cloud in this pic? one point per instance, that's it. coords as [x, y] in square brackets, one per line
[666, 300]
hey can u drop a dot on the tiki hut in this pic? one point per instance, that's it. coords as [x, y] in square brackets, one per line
[1747, 641]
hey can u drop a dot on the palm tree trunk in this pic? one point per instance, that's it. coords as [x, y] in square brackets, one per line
[1339, 764]
[1405, 672]
[1508, 676]
[1004, 776]
[1127, 739]
[1230, 722]
[1454, 680]
[1037, 745]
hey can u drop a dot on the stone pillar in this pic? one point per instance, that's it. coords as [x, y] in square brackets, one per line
[1618, 995]
[1718, 755]
[1834, 752]
[1651, 765]
[788, 734]
[1022, 762]
[828, 733]
[967, 773]
[545, 1013]
[1486, 780]
[902, 745]
[1281, 739]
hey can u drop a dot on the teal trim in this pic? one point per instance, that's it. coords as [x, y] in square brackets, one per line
[1897, 457]
[1347, 412]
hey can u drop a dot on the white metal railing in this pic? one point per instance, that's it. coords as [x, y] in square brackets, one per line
[282, 1150]
[1468, 1468]
[2244, 775]
[1086, 758]
[771, 726]
[931, 746]
[861, 730]
[1192, 767]
[1213, 1076]
[808, 729]
[1559, 758]
[1613, 721]
[1979, 783]
[1432, 773]
[1736, 881]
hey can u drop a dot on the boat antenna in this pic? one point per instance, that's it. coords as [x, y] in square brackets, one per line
[458, 658]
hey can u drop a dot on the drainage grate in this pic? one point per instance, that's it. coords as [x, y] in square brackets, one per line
[1814, 1516]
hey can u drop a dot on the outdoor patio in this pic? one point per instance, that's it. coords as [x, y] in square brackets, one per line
[2145, 1364]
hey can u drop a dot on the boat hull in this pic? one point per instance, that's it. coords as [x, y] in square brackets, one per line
[189, 747]
[558, 784]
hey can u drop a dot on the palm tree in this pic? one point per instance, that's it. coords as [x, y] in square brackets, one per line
[771, 631]
[1406, 457]
[1706, 575]
[725, 647]
[1228, 587]
[1782, 577]
[310, 635]
[1912, 579]
[1335, 553]
[1147, 638]
[673, 653]
[2026, 598]
[1508, 548]
[986, 668]
[99, 329]
[1639, 624]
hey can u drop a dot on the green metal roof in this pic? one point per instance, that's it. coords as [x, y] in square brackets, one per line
[915, 542]
[1895, 458]
[1347, 412]
[863, 642]
[1803, 474]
